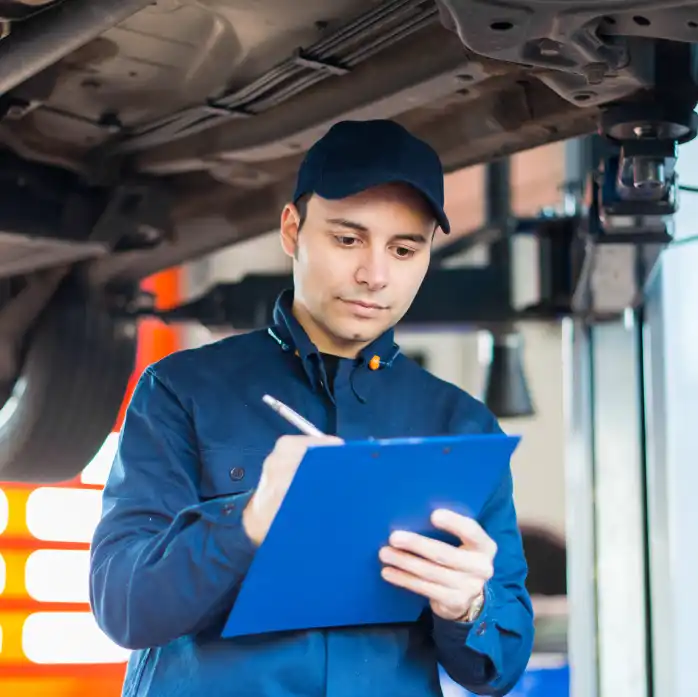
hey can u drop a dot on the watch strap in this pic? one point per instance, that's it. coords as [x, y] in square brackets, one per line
[475, 608]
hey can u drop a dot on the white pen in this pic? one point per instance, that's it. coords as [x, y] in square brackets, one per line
[294, 418]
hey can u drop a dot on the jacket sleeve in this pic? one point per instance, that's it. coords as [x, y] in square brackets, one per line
[163, 564]
[489, 656]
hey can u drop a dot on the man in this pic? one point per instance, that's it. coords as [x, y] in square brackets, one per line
[203, 464]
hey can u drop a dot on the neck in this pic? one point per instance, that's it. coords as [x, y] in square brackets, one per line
[322, 340]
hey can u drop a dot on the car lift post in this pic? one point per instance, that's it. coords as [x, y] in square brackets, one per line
[607, 536]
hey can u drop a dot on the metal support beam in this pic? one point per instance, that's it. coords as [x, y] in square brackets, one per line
[498, 216]
[466, 297]
[448, 297]
[498, 192]
[579, 511]
[671, 398]
[606, 507]
[619, 465]
[606, 513]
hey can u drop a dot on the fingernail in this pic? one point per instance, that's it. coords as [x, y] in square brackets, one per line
[398, 537]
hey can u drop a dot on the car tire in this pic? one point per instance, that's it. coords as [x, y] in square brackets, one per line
[77, 364]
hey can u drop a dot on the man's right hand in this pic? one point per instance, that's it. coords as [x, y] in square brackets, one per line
[278, 471]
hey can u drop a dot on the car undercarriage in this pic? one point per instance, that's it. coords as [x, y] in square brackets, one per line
[138, 135]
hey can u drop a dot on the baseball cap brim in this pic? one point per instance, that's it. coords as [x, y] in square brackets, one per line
[348, 183]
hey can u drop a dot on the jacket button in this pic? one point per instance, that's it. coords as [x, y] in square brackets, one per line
[482, 627]
[228, 508]
[237, 473]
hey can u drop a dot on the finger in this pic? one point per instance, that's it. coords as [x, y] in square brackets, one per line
[422, 568]
[290, 450]
[435, 550]
[427, 589]
[295, 443]
[455, 558]
[466, 529]
[327, 440]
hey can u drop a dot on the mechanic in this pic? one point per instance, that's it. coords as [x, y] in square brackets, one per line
[203, 464]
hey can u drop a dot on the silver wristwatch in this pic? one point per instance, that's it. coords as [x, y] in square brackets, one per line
[475, 608]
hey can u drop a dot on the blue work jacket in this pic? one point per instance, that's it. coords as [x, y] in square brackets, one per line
[169, 553]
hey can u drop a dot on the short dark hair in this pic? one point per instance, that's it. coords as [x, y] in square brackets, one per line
[302, 208]
[301, 205]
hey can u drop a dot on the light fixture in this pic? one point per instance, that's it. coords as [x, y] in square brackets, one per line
[506, 391]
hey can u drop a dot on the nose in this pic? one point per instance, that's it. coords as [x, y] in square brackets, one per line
[373, 270]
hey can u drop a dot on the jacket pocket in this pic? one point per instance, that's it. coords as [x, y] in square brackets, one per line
[230, 470]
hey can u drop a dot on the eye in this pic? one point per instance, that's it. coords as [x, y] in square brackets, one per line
[404, 252]
[346, 240]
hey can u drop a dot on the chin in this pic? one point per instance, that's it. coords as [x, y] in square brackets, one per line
[359, 332]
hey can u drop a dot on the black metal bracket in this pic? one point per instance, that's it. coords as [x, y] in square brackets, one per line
[307, 60]
[578, 265]
[470, 296]
[136, 216]
[217, 109]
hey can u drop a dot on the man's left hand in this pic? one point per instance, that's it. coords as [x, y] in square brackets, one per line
[450, 577]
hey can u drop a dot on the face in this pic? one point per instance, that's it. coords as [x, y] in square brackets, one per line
[358, 263]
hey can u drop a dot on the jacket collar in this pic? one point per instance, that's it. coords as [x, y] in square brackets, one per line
[290, 335]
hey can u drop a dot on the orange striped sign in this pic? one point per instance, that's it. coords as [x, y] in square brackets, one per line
[50, 645]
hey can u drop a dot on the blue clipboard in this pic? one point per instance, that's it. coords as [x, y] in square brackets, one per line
[318, 566]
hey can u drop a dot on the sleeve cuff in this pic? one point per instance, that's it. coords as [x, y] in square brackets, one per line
[480, 636]
[483, 636]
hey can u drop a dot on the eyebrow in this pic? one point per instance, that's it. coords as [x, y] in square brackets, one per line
[349, 224]
[358, 227]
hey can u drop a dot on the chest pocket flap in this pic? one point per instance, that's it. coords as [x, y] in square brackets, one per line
[230, 470]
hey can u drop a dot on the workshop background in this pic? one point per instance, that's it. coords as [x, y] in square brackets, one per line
[49, 643]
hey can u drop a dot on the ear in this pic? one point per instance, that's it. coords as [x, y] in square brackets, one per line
[290, 224]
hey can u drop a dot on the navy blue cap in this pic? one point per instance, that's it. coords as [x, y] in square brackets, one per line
[356, 155]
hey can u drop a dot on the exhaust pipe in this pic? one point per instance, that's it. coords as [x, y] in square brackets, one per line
[53, 35]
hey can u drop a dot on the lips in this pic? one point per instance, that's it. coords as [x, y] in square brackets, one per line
[367, 306]
[363, 309]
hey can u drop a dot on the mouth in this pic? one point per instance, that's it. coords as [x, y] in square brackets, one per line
[368, 306]
[364, 308]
